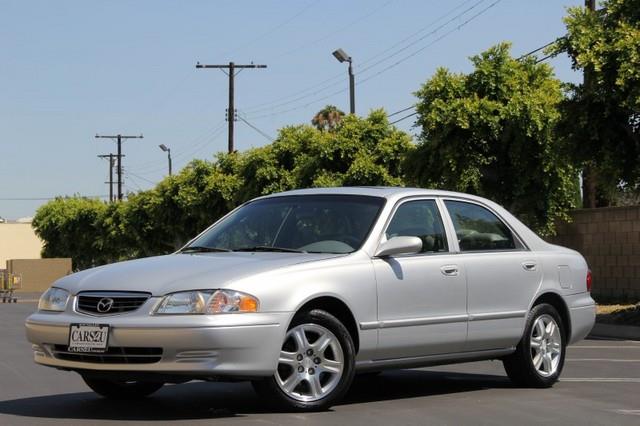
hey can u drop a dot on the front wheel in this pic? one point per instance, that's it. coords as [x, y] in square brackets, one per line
[539, 357]
[116, 389]
[316, 364]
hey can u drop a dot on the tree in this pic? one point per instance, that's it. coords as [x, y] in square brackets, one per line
[68, 227]
[602, 116]
[361, 151]
[492, 133]
[327, 118]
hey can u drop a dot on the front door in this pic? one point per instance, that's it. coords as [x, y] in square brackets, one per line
[421, 297]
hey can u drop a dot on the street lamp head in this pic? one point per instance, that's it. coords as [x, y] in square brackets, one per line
[342, 56]
[163, 147]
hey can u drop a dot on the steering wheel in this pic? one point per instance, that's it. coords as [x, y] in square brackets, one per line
[347, 239]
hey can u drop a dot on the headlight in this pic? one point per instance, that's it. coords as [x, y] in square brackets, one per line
[207, 302]
[55, 299]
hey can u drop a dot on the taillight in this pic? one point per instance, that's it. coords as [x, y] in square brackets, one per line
[589, 280]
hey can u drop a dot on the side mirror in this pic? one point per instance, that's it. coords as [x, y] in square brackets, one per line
[399, 245]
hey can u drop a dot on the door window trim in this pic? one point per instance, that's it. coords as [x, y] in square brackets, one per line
[445, 227]
[516, 236]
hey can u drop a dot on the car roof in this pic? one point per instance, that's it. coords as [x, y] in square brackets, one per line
[388, 192]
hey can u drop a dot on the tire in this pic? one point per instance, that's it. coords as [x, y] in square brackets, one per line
[113, 389]
[311, 381]
[539, 357]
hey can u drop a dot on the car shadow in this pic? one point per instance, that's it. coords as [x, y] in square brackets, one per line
[200, 400]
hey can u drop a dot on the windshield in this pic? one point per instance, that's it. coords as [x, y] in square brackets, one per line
[295, 223]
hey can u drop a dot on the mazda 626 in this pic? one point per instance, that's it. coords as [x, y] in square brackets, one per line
[299, 291]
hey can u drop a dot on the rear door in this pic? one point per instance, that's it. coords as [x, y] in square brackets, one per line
[502, 275]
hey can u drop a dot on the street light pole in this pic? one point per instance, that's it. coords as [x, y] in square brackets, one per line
[342, 56]
[168, 151]
[352, 89]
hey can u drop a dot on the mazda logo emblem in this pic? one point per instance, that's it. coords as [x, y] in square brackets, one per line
[104, 305]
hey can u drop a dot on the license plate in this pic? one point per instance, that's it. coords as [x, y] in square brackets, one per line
[88, 337]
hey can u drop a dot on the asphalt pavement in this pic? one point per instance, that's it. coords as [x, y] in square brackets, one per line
[600, 385]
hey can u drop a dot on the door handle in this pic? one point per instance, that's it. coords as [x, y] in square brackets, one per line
[449, 270]
[529, 266]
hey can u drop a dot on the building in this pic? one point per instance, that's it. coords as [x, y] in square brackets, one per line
[18, 241]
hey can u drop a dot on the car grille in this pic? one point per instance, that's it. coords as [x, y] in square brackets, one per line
[113, 355]
[110, 303]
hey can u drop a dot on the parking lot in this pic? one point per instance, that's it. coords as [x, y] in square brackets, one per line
[600, 385]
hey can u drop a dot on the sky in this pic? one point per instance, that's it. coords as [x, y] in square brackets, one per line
[72, 69]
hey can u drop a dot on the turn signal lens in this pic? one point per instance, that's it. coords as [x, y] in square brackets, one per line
[229, 301]
[589, 280]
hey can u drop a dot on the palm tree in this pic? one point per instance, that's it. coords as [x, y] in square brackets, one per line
[327, 118]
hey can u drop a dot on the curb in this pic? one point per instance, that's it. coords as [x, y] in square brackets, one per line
[628, 332]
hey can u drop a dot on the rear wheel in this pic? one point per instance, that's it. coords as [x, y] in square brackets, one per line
[115, 389]
[539, 357]
[316, 364]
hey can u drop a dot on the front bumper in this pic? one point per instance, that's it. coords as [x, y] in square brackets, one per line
[242, 345]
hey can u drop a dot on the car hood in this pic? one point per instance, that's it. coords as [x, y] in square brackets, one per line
[165, 274]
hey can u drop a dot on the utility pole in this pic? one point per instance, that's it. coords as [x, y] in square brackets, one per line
[589, 178]
[111, 163]
[231, 112]
[119, 156]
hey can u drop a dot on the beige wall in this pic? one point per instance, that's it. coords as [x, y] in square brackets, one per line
[18, 241]
[609, 238]
[38, 274]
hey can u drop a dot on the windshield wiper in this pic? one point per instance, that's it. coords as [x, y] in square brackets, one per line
[270, 248]
[202, 249]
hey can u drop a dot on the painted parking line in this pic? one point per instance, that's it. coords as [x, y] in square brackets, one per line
[628, 412]
[605, 347]
[601, 379]
[601, 360]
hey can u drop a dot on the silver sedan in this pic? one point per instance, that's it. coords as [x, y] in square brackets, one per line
[301, 290]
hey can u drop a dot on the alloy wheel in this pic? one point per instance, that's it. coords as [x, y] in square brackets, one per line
[311, 363]
[546, 345]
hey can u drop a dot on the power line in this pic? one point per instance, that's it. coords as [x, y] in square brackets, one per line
[134, 182]
[323, 86]
[270, 31]
[393, 65]
[411, 55]
[199, 147]
[518, 59]
[540, 48]
[433, 32]
[51, 198]
[404, 118]
[196, 142]
[545, 58]
[141, 178]
[336, 31]
[401, 111]
[269, 138]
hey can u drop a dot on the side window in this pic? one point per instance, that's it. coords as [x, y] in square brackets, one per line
[479, 229]
[421, 219]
